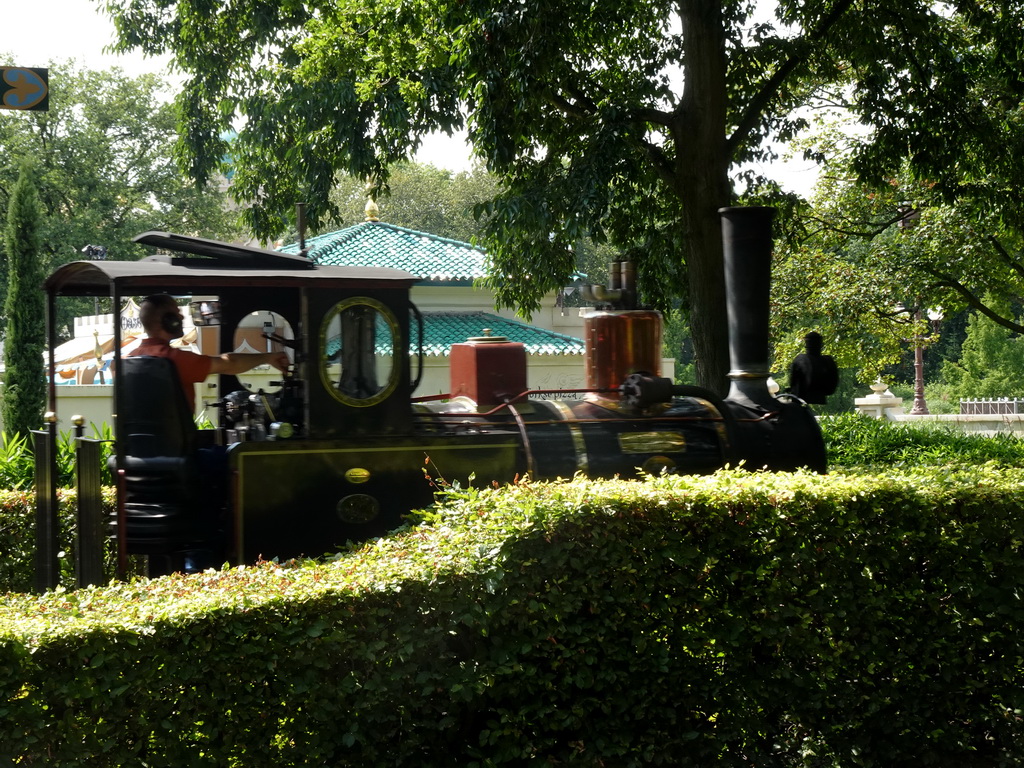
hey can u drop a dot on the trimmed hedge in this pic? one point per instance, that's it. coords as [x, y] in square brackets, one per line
[731, 620]
[854, 442]
[18, 538]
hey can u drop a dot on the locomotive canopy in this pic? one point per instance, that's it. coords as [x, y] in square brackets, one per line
[339, 449]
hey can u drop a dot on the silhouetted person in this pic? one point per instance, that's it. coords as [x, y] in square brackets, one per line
[813, 376]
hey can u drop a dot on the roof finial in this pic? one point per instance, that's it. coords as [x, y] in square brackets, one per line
[371, 210]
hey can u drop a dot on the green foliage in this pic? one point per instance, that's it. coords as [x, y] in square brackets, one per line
[17, 462]
[733, 620]
[18, 514]
[939, 396]
[871, 251]
[630, 123]
[991, 363]
[824, 287]
[17, 465]
[855, 441]
[428, 199]
[18, 540]
[24, 394]
[678, 345]
[105, 170]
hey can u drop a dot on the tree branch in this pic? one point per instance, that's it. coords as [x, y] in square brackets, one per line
[973, 301]
[769, 90]
[576, 109]
[660, 161]
[1003, 254]
[867, 229]
[583, 107]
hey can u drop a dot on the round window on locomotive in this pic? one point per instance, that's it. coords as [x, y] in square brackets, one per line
[359, 352]
[263, 331]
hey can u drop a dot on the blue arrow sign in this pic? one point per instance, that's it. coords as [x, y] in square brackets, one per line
[24, 88]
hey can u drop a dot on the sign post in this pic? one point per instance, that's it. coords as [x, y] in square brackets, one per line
[24, 88]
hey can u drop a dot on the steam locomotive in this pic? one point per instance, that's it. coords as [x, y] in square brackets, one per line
[340, 450]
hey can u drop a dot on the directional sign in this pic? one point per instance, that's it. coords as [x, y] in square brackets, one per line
[24, 88]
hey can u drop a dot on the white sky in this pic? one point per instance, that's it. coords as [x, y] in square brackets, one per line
[38, 31]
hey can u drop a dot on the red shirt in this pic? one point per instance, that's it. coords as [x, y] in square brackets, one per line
[192, 368]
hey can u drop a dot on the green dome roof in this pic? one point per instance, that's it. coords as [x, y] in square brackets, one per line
[374, 243]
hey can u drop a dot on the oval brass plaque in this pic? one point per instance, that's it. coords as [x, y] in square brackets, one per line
[357, 475]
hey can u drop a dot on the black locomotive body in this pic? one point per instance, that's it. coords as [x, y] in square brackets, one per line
[342, 449]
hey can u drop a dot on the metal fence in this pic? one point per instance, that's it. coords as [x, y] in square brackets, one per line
[997, 406]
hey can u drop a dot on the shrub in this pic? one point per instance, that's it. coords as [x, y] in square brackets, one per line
[18, 538]
[731, 620]
[17, 460]
[854, 440]
[17, 467]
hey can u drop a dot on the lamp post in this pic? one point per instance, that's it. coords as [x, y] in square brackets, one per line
[920, 407]
[908, 216]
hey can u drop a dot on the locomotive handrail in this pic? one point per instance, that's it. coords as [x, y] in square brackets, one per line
[419, 348]
[531, 466]
[517, 398]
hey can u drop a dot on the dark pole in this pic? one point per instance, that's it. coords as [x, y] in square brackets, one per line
[90, 534]
[47, 521]
[45, 450]
[95, 253]
[300, 225]
[920, 407]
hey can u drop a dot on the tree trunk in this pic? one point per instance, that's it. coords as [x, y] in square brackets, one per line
[708, 321]
[702, 173]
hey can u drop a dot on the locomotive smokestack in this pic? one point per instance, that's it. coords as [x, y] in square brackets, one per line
[747, 248]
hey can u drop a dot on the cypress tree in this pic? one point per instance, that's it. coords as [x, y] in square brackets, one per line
[24, 395]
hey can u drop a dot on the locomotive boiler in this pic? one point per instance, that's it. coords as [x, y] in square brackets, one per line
[340, 449]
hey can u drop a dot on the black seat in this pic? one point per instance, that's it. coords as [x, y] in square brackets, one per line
[166, 513]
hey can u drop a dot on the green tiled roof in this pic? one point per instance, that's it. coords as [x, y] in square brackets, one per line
[442, 329]
[376, 244]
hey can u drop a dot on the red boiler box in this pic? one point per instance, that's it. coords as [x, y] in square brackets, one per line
[488, 369]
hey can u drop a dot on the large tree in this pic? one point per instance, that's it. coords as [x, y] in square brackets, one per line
[872, 253]
[105, 170]
[621, 121]
[24, 394]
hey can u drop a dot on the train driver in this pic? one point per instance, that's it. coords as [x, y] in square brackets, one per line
[162, 321]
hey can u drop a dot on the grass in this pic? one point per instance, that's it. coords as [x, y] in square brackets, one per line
[857, 441]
